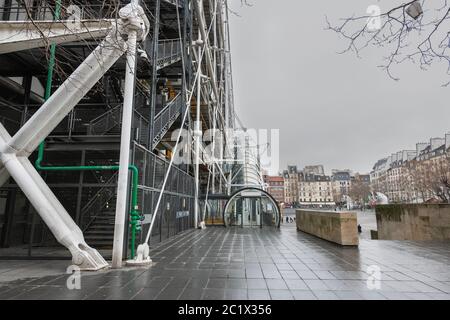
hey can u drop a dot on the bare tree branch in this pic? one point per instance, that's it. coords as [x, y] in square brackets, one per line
[422, 40]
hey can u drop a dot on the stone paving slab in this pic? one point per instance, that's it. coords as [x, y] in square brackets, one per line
[239, 264]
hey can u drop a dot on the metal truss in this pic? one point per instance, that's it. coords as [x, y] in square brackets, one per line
[14, 151]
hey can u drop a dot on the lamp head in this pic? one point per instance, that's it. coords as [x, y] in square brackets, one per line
[414, 10]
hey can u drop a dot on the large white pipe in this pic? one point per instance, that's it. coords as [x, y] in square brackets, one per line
[29, 169]
[127, 118]
[197, 136]
[38, 199]
[198, 4]
[218, 99]
[50, 114]
[51, 198]
[14, 151]
[56, 220]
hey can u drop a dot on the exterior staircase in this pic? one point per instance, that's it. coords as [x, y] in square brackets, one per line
[98, 217]
[107, 122]
[165, 119]
[169, 52]
[100, 233]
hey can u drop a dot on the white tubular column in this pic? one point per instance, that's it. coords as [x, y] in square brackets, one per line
[127, 118]
[14, 151]
[82, 255]
[198, 5]
[49, 208]
[36, 196]
[50, 196]
[135, 25]
[198, 133]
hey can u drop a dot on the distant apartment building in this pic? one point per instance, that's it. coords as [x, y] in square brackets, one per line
[290, 177]
[364, 178]
[311, 186]
[341, 182]
[275, 186]
[414, 176]
[315, 189]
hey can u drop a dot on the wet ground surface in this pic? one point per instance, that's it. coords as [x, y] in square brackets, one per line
[219, 263]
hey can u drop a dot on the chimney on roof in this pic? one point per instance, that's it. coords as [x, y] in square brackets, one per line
[436, 143]
[406, 155]
[394, 157]
[420, 147]
[411, 155]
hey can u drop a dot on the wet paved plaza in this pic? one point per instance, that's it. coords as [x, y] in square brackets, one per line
[219, 263]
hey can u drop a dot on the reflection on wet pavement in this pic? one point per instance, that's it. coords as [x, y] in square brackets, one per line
[234, 263]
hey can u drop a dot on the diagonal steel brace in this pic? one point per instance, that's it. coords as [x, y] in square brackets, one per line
[14, 151]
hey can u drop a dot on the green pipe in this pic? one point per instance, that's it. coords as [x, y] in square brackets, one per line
[51, 68]
[134, 212]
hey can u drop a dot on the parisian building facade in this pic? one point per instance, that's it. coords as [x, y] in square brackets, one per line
[275, 186]
[415, 176]
[312, 187]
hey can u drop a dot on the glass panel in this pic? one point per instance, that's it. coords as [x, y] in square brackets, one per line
[252, 208]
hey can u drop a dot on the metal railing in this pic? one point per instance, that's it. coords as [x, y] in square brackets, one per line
[106, 122]
[110, 121]
[77, 122]
[97, 204]
[165, 118]
[169, 52]
[142, 127]
[178, 196]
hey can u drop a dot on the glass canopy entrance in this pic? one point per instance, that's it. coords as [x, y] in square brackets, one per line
[252, 207]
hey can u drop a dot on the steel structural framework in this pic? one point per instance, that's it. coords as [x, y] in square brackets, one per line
[143, 97]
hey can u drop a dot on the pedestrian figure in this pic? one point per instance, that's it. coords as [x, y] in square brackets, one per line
[359, 228]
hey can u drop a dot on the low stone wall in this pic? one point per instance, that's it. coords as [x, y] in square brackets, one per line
[340, 227]
[413, 222]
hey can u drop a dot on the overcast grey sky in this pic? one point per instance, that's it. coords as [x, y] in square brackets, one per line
[335, 110]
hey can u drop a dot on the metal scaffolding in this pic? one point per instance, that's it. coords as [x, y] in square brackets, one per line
[136, 89]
